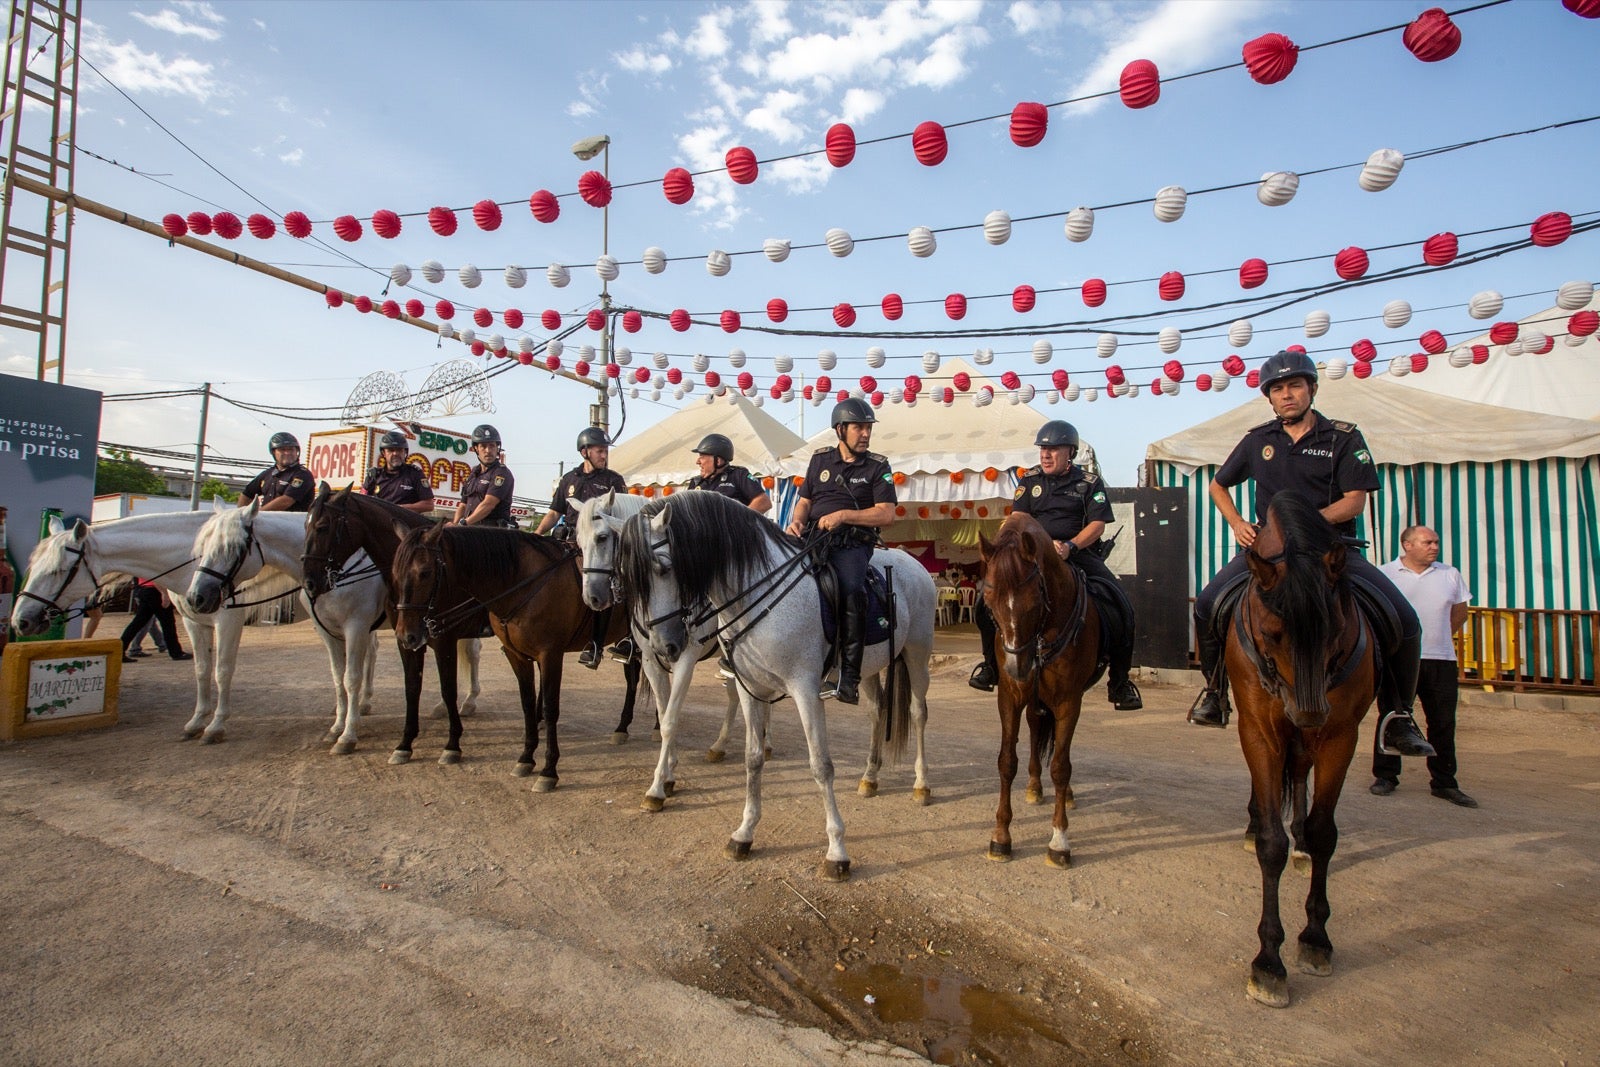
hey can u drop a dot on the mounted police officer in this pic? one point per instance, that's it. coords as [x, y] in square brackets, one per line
[1071, 505]
[284, 486]
[719, 475]
[397, 481]
[848, 492]
[585, 482]
[486, 494]
[1328, 463]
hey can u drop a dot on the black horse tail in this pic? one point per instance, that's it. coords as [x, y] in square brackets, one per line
[1291, 759]
[1047, 723]
[898, 716]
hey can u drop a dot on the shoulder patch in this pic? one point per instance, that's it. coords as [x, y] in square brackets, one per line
[1264, 426]
[1033, 471]
[825, 449]
[1343, 427]
[877, 458]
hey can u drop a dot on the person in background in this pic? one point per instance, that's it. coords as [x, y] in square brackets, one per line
[486, 494]
[150, 601]
[284, 486]
[397, 481]
[718, 474]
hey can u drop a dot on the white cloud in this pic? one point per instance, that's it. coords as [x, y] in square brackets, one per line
[293, 158]
[580, 109]
[772, 116]
[174, 23]
[704, 148]
[770, 19]
[136, 71]
[803, 174]
[945, 64]
[710, 37]
[1028, 17]
[860, 104]
[1179, 35]
[639, 61]
[868, 48]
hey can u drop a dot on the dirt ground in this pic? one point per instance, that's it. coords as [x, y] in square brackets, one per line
[261, 901]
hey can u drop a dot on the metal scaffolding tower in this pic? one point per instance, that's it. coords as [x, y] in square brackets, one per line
[38, 123]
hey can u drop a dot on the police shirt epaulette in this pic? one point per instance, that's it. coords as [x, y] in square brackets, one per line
[1343, 427]
[1263, 426]
[825, 449]
[877, 458]
[1032, 471]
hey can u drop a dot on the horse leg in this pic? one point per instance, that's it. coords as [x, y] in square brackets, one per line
[872, 694]
[813, 718]
[474, 651]
[630, 673]
[230, 627]
[202, 641]
[411, 667]
[1010, 720]
[1322, 837]
[371, 673]
[1269, 981]
[755, 727]
[1252, 827]
[719, 748]
[444, 662]
[917, 670]
[675, 686]
[358, 645]
[1059, 854]
[1298, 855]
[528, 691]
[1037, 733]
[550, 705]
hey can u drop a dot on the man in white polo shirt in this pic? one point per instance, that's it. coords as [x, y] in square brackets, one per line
[1440, 596]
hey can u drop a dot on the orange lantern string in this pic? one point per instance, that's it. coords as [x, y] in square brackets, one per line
[666, 490]
[1006, 510]
[957, 476]
[899, 478]
[798, 480]
[944, 509]
[767, 482]
[983, 512]
[649, 490]
[990, 474]
[899, 511]
[922, 513]
[955, 513]
[633, 490]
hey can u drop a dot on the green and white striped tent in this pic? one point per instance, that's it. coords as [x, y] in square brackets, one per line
[1515, 495]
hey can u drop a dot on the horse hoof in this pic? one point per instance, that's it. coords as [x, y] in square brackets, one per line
[438, 712]
[1071, 803]
[619, 738]
[1033, 796]
[1301, 861]
[922, 795]
[670, 787]
[210, 738]
[397, 757]
[468, 708]
[449, 759]
[188, 735]
[867, 789]
[545, 784]
[330, 737]
[652, 804]
[1249, 842]
[736, 850]
[715, 755]
[523, 770]
[1057, 858]
[999, 853]
[1269, 989]
[342, 748]
[1315, 960]
[834, 870]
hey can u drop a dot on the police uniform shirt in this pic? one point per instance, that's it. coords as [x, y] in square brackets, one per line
[833, 483]
[405, 485]
[294, 482]
[736, 483]
[578, 485]
[1330, 460]
[1063, 503]
[494, 480]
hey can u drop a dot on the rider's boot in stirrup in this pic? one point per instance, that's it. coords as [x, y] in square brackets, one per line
[1397, 730]
[590, 656]
[986, 674]
[1211, 707]
[852, 642]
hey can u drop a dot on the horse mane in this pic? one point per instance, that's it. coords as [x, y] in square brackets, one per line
[1004, 568]
[714, 541]
[388, 509]
[1303, 598]
[46, 557]
[491, 550]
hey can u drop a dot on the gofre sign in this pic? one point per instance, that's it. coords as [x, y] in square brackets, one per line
[342, 457]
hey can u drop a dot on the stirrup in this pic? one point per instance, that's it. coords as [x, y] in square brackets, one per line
[1219, 703]
[983, 677]
[590, 656]
[1409, 741]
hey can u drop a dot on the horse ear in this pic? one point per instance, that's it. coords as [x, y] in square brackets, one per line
[985, 548]
[1333, 562]
[80, 529]
[255, 508]
[611, 499]
[322, 492]
[400, 529]
[1266, 574]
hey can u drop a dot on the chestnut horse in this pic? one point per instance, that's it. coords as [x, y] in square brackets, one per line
[1048, 629]
[1300, 656]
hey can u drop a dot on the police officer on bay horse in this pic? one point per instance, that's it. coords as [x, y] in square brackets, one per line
[719, 475]
[284, 486]
[486, 494]
[1328, 463]
[1071, 505]
[397, 481]
[594, 477]
[848, 493]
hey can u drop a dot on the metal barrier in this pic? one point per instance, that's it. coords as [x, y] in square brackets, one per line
[1529, 648]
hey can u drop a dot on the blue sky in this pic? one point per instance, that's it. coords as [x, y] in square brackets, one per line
[346, 108]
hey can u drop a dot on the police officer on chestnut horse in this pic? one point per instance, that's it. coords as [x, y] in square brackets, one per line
[1327, 462]
[486, 494]
[393, 479]
[284, 486]
[848, 493]
[1071, 505]
[585, 482]
[719, 475]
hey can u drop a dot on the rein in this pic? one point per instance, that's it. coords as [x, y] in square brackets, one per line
[54, 611]
[1338, 669]
[437, 621]
[1044, 653]
[226, 578]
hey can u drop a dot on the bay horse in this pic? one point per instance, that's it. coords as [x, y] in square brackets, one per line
[701, 557]
[1301, 658]
[341, 527]
[1048, 628]
[530, 585]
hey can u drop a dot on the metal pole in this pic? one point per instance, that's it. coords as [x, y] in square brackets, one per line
[604, 406]
[200, 447]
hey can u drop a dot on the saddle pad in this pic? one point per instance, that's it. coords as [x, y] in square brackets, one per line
[877, 616]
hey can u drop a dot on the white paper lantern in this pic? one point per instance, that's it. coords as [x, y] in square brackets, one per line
[586, 352]
[1130, 389]
[524, 343]
[981, 398]
[1400, 366]
[759, 401]
[446, 331]
[1220, 382]
[1514, 349]
[468, 335]
[1169, 387]
[606, 267]
[930, 362]
[1170, 202]
[1106, 345]
[688, 385]
[660, 360]
[921, 242]
[1118, 389]
[1169, 340]
[1572, 296]
[1278, 188]
[1042, 351]
[1072, 392]
[1572, 340]
[1485, 305]
[622, 356]
[1240, 332]
[1534, 341]
[700, 362]
[826, 359]
[432, 270]
[997, 227]
[788, 396]
[555, 347]
[1026, 393]
[494, 342]
[677, 392]
[1080, 224]
[1052, 396]
[654, 260]
[1317, 323]
[557, 275]
[783, 364]
[633, 392]
[839, 242]
[876, 356]
[516, 277]
[1335, 368]
[400, 274]
[983, 357]
[736, 357]
[1461, 357]
[470, 276]
[1382, 168]
[718, 263]
[613, 388]
[655, 392]
[1396, 313]
[776, 248]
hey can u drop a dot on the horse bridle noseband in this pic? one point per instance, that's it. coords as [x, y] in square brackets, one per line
[52, 609]
[334, 572]
[1045, 652]
[226, 578]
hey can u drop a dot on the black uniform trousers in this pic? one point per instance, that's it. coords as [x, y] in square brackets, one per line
[850, 562]
[147, 606]
[1437, 689]
[1205, 605]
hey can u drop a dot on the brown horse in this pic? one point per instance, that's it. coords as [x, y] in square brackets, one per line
[1301, 659]
[1048, 629]
[533, 590]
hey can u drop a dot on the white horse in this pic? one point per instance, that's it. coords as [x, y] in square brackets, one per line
[701, 556]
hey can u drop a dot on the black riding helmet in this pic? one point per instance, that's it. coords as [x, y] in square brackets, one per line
[282, 439]
[852, 410]
[593, 436]
[716, 445]
[1287, 365]
[392, 439]
[485, 434]
[1057, 434]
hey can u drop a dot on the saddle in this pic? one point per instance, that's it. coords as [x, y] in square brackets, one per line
[877, 603]
[1116, 611]
[1373, 605]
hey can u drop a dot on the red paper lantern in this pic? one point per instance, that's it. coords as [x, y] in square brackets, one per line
[550, 319]
[679, 320]
[442, 220]
[1440, 249]
[385, 223]
[595, 320]
[632, 322]
[1301, 349]
[824, 383]
[783, 383]
[414, 308]
[483, 317]
[1351, 263]
[841, 144]
[913, 383]
[199, 223]
[842, 395]
[174, 225]
[486, 213]
[1252, 273]
[1028, 123]
[1364, 351]
[1503, 333]
[613, 371]
[1253, 379]
[1115, 374]
[893, 307]
[1023, 297]
[296, 223]
[390, 309]
[1480, 354]
[545, 206]
[745, 380]
[226, 224]
[742, 165]
[512, 317]
[445, 310]
[1171, 286]
[477, 348]
[674, 375]
[730, 321]
[877, 399]
[594, 188]
[1059, 378]
[1270, 58]
[775, 392]
[581, 368]
[261, 227]
[1094, 292]
[363, 304]
[1433, 342]
[928, 141]
[1155, 386]
[1172, 369]
[1010, 380]
[1585, 9]
[1233, 366]
[946, 395]
[1202, 382]
[1544, 346]
[844, 316]
[552, 362]
[962, 381]
[1141, 84]
[777, 309]
[1432, 36]
[1362, 370]
[1551, 229]
[808, 392]
[334, 298]
[1583, 323]
[641, 375]
[955, 306]
[678, 186]
[713, 379]
[1419, 362]
[347, 227]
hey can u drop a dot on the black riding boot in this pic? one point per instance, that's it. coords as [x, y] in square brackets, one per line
[1397, 732]
[1211, 707]
[852, 642]
[1120, 690]
[590, 656]
[987, 673]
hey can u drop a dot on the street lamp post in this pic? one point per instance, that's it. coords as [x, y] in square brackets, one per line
[585, 150]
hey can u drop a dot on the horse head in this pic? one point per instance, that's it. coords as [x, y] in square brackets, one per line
[597, 534]
[225, 551]
[59, 573]
[646, 577]
[1023, 578]
[328, 540]
[419, 565]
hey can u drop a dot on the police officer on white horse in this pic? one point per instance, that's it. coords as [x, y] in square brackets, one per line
[1328, 463]
[486, 494]
[849, 494]
[396, 481]
[1071, 505]
[284, 486]
[719, 475]
[593, 478]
